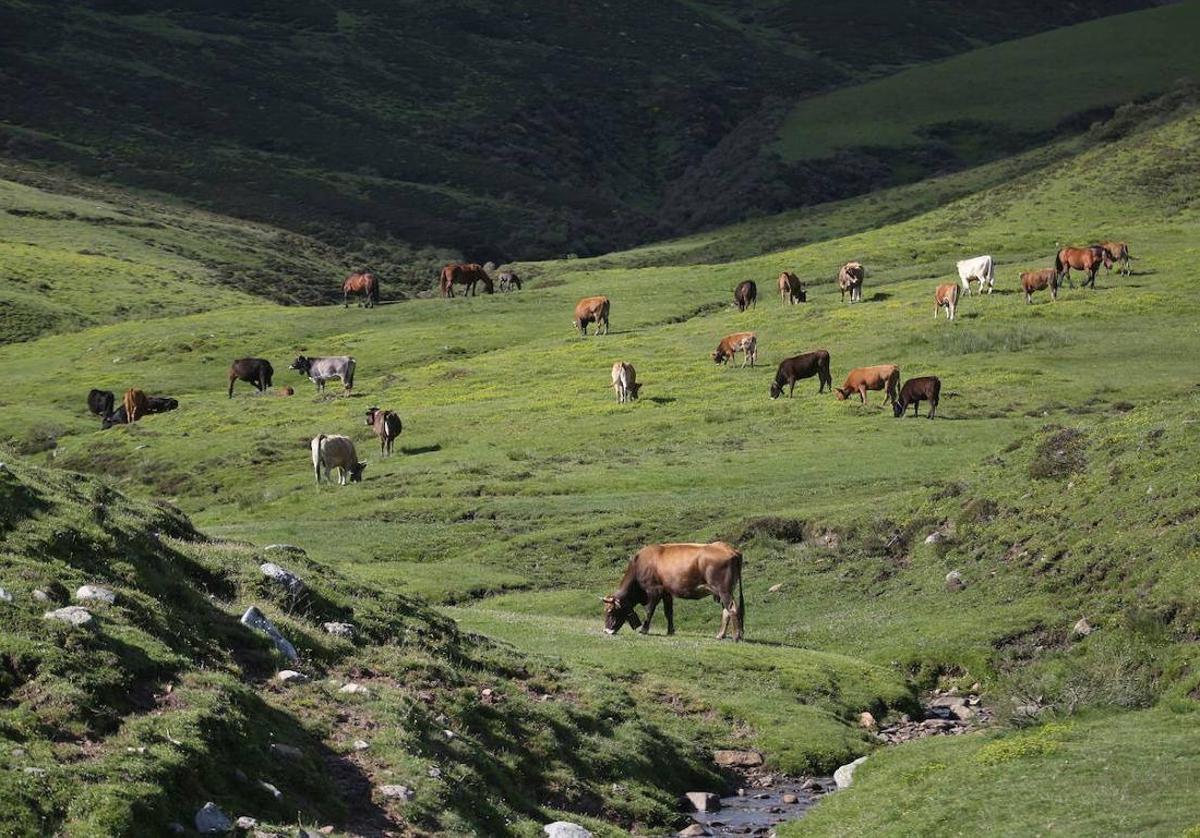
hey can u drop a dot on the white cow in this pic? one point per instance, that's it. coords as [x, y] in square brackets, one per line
[624, 382]
[338, 452]
[981, 269]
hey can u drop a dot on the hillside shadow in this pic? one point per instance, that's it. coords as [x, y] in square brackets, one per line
[413, 450]
[879, 297]
[661, 399]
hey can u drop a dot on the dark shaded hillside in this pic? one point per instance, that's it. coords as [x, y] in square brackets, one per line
[501, 130]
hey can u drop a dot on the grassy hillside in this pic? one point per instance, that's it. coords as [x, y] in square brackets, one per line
[500, 130]
[1060, 470]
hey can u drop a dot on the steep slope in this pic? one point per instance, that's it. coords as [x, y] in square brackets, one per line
[496, 129]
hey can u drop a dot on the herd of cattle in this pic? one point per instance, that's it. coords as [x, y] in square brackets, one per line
[658, 572]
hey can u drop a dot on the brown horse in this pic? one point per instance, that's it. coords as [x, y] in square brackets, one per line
[363, 282]
[1081, 259]
[1118, 253]
[469, 275]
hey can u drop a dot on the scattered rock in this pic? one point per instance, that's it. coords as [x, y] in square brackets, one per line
[361, 745]
[354, 689]
[776, 588]
[565, 829]
[286, 751]
[434, 772]
[694, 831]
[741, 759]
[948, 701]
[955, 581]
[41, 596]
[176, 828]
[5, 596]
[703, 801]
[270, 789]
[35, 772]
[449, 734]
[790, 799]
[255, 619]
[17, 752]
[210, 820]
[291, 676]
[865, 719]
[285, 578]
[1082, 628]
[71, 615]
[844, 776]
[339, 629]
[326, 830]
[935, 537]
[305, 832]
[289, 548]
[246, 823]
[397, 792]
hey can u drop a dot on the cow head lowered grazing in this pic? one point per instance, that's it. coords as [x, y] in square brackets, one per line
[661, 572]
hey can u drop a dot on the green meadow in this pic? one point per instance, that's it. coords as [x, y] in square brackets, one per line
[1061, 466]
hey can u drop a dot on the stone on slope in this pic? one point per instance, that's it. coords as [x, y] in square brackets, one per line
[1082, 628]
[703, 801]
[339, 629]
[211, 820]
[776, 588]
[955, 581]
[565, 829]
[844, 776]
[291, 676]
[741, 759]
[95, 593]
[5, 596]
[72, 615]
[255, 619]
[282, 577]
[394, 792]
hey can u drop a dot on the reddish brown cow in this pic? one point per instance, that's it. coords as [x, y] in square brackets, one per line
[946, 296]
[1039, 281]
[791, 289]
[136, 404]
[387, 427]
[591, 310]
[744, 342]
[661, 572]
[927, 388]
[881, 377]
[1081, 259]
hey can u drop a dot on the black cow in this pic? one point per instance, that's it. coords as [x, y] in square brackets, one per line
[256, 371]
[100, 402]
[160, 404]
[746, 295]
[807, 365]
[117, 417]
[916, 390]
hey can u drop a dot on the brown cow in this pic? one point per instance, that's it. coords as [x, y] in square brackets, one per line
[1081, 259]
[624, 382]
[744, 342]
[661, 572]
[745, 295]
[1117, 252]
[136, 404]
[807, 365]
[946, 296]
[387, 427]
[850, 278]
[591, 310]
[469, 275]
[1039, 281]
[881, 377]
[916, 390]
[791, 289]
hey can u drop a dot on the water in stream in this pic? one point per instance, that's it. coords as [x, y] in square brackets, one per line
[760, 810]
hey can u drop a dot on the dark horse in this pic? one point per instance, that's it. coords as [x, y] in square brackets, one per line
[469, 275]
[1081, 259]
[361, 282]
[661, 572]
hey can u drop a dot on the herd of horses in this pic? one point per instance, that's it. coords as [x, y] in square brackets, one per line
[658, 573]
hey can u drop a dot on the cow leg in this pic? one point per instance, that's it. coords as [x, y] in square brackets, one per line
[724, 623]
[651, 604]
[932, 407]
[792, 391]
[669, 610]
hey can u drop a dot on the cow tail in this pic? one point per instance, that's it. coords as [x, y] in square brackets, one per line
[374, 292]
[317, 459]
[350, 375]
[741, 599]
[1058, 263]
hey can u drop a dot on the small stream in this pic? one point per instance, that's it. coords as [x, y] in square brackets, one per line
[759, 810]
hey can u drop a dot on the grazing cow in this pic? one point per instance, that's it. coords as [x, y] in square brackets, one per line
[256, 371]
[850, 278]
[509, 281]
[1039, 281]
[387, 427]
[981, 269]
[917, 390]
[730, 345]
[320, 370]
[160, 404]
[661, 572]
[100, 402]
[624, 382]
[807, 365]
[745, 295]
[469, 275]
[1081, 259]
[117, 417]
[791, 289]
[329, 452]
[364, 282]
[946, 296]
[882, 377]
[135, 404]
[1117, 252]
[591, 310]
